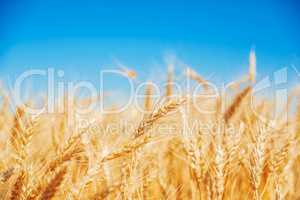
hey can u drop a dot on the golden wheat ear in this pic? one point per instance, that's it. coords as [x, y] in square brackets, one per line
[252, 66]
[5, 175]
[235, 105]
[169, 85]
[148, 121]
[17, 189]
[148, 104]
[52, 187]
[193, 75]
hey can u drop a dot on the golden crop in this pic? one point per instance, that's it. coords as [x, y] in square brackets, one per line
[238, 156]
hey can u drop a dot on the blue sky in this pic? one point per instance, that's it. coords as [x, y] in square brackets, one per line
[83, 37]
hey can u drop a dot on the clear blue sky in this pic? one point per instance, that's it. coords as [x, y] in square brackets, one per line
[82, 37]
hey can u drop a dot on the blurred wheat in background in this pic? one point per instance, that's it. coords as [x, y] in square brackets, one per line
[164, 156]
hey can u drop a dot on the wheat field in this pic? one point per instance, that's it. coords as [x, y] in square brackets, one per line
[169, 152]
